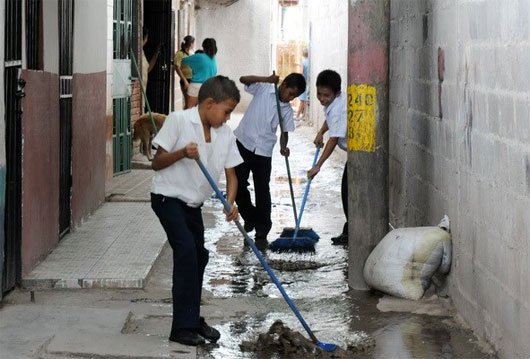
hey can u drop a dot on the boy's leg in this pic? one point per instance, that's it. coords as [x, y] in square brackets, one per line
[243, 200]
[261, 173]
[343, 237]
[174, 216]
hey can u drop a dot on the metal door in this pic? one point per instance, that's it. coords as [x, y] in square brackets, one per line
[10, 244]
[66, 28]
[121, 90]
[157, 18]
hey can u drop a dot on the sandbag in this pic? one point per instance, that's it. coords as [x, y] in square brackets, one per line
[405, 260]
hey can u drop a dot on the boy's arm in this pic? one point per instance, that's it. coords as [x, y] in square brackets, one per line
[284, 138]
[164, 159]
[319, 138]
[328, 149]
[231, 192]
[250, 79]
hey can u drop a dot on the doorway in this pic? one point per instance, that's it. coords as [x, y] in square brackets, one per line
[158, 20]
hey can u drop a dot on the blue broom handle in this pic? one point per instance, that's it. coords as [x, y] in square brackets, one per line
[304, 199]
[258, 254]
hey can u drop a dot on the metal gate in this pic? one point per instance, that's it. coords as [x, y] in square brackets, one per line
[66, 28]
[157, 18]
[121, 91]
[13, 85]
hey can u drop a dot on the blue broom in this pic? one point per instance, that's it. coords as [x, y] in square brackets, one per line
[296, 240]
[327, 347]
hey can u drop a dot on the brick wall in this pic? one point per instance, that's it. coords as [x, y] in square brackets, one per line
[460, 144]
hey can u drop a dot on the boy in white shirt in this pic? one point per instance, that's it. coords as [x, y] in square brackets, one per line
[180, 188]
[334, 102]
[256, 137]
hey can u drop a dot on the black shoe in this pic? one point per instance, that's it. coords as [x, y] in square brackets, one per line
[208, 332]
[248, 226]
[187, 337]
[340, 239]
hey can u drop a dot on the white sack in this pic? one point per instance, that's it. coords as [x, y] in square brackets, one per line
[403, 263]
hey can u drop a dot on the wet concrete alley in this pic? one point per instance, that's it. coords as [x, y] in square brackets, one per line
[240, 300]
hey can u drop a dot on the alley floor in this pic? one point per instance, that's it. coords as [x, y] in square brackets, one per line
[129, 315]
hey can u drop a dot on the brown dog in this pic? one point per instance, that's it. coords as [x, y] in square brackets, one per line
[144, 131]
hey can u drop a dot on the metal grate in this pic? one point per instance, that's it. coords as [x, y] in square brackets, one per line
[34, 34]
[10, 260]
[66, 26]
[121, 114]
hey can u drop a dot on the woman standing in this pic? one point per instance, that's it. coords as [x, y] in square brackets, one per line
[184, 71]
[203, 65]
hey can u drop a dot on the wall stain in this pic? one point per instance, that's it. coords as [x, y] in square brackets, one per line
[527, 160]
[425, 27]
[441, 74]
[468, 125]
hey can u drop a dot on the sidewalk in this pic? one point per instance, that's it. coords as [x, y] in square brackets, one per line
[115, 248]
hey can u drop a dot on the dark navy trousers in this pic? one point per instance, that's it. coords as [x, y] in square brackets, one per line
[260, 166]
[185, 232]
[344, 197]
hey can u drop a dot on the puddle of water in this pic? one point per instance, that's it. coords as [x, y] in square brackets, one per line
[334, 313]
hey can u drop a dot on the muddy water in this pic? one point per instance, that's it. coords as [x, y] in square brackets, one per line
[315, 281]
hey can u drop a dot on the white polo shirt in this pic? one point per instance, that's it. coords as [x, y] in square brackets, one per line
[257, 129]
[184, 179]
[336, 119]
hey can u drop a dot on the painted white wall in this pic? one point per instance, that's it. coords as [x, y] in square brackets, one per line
[50, 31]
[328, 46]
[242, 32]
[461, 147]
[90, 35]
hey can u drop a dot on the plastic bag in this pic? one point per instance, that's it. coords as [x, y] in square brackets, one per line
[405, 260]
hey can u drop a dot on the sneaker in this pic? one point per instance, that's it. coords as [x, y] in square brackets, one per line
[340, 239]
[187, 337]
[208, 332]
[248, 227]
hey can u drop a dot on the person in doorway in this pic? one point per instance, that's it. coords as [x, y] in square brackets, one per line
[203, 66]
[256, 137]
[334, 101]
[179, 190]
[147, 66]
[304, 97]
[184, 71]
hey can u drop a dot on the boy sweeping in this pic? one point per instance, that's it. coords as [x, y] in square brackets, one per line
[256, 137]
[179, 190]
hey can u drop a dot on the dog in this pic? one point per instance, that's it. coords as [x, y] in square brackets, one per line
[144, 131]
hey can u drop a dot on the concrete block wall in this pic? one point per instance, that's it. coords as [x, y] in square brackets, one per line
[328, 47]
[460, 145]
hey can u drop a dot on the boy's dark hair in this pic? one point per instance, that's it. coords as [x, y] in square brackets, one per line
[209, 46]
[295, 80]
[219, 88]
[329, 78]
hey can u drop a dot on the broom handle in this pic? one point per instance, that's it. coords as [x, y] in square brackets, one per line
[280, 120]
[306, 193]
[262, 260]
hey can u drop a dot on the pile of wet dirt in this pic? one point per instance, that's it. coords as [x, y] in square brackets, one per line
[290, 266]
[281, 340]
